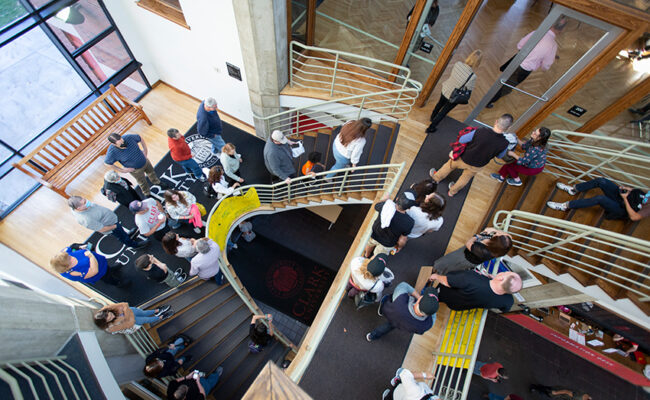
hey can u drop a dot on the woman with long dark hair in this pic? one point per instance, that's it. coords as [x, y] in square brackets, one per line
[427, 217]
[531, 163]
[219, 183]
[484, 246]
[349, 143]
[423, 188]
[178, 246]
[181, 207]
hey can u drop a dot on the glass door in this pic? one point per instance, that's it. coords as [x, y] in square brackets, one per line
[547, 58]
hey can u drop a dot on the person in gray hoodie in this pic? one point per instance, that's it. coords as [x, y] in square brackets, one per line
[278, 157]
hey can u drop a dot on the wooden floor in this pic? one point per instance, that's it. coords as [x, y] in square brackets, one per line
[496, 29]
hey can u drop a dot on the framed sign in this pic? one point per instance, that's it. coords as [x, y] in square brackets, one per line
[577, 111]
[233, 71]
[426, 47]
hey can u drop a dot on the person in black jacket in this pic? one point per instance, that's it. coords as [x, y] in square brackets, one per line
[161, 363]
[118, 189]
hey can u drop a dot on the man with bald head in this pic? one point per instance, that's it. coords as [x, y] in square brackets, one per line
[464, 290]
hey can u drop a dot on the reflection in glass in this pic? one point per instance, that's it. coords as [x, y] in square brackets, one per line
[299, 20]
[132, 86]
[14, 185]
[10, 10]
[433, 36]
[77, 24]
[104, 59]
[38, 86]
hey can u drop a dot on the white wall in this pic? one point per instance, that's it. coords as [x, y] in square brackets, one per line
[192, 60]
[17, 268]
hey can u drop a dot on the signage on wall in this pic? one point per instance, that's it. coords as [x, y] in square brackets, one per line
[233, 71]
[577, 111]
[426, 47]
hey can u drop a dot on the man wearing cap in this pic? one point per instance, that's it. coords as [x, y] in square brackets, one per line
[407, 310]
[464, 290]
[126, 150]
[278, 157]
[101, 219]
[369, 275]
[392, 226]
[208, 124]
[150, 218]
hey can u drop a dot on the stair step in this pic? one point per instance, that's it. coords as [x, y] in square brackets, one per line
[210, 316]
[234, 369]
[308, 141]
[383, 137]
[370, 137]
[391, 145]
[275, 353]
[323, 146]
[218, 346]
[643, 305]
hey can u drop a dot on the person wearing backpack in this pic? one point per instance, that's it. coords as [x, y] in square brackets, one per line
[480, 147]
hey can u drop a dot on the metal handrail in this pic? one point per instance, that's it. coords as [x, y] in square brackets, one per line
[617, 259]
[369, 178]
[579, 157]
[359, 87]
[56, 367]
[458, 350]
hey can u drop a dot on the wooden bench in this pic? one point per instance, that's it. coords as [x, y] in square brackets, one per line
[64, 155]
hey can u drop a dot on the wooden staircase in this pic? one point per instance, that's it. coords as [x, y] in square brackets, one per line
[380, 143]
[532, 197]
[217, 320]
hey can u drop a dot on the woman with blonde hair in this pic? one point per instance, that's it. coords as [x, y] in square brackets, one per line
[349, 143]
[462, 75]
[369, 275]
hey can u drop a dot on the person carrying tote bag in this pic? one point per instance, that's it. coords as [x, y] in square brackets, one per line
[458, 86]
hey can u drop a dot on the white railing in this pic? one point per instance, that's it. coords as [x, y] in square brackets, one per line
[619, 260]
[343, 74]
[15, 372]
[578, 157]
[364, 179]
[358, 87]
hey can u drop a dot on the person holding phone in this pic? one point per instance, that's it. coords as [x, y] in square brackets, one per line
[619, 202]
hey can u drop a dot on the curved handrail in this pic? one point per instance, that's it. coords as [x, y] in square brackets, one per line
[368, 178]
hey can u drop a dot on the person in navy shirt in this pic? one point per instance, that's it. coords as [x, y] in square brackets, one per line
[77, 263]
[208, 124]
[407, 310]
[126, 150]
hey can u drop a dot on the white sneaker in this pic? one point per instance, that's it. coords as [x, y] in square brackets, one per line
[383, 395]
[432, 172]
[557, 206]
[181, 278]
[567, 188]
[197, 230]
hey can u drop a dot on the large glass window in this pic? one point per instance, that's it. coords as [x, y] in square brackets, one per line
[49, 71]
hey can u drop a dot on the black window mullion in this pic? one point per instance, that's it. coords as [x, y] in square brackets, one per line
[93, 42]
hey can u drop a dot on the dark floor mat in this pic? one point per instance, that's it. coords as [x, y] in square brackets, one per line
[141, 289]
[374, 364]
[282, 278]
[307, 233]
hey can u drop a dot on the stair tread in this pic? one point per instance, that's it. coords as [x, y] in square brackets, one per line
[213, 356]
[365, 155]
[380, 145]
[274, 354]
[196, 311]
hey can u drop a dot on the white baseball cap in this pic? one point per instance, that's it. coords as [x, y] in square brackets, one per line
[278, 136]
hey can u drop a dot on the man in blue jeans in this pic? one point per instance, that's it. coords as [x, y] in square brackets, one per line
[407, 310]
[194, 386]
[208, 124]
[619, 202]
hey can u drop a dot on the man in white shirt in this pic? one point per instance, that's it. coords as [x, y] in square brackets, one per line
[206, 263]
[150, 218]
[405, 386]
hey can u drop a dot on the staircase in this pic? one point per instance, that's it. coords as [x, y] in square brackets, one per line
[596, 259]
[380, 142]
[217, 320]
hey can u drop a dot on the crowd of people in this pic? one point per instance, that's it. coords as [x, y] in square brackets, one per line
[458, 281]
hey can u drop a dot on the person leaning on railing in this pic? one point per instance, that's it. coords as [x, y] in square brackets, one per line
[482, 247]
[619, 202]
